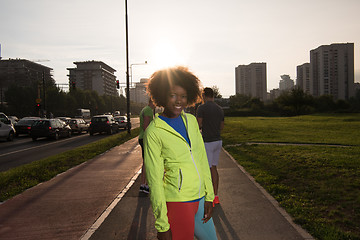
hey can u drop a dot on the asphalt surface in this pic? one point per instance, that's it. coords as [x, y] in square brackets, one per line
[100, 200]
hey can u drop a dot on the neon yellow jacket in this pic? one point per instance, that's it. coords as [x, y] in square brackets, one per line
[175, 171]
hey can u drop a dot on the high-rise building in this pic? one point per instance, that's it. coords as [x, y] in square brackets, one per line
[303, 77]
[250, 80]
[138, 93]
[24, 73]
[332, 70]
[356, 87]
[93, 75]
[274, 93]
[286, 83]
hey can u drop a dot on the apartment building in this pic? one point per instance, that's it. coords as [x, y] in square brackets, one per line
[138, 93]
[332, 70]
[250, 80]
[286, 83]
[303, 77]
[25, 73]
[273, 94]
[93, 75]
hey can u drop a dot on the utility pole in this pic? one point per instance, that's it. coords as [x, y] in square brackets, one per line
[1, 97]
[44, 89]
[43, 105]
[127, 71]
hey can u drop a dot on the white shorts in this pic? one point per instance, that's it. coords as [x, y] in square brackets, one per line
[213, 152]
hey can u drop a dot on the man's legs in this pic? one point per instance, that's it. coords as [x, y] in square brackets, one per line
[143, 185]
[213, 153]
[215, 179]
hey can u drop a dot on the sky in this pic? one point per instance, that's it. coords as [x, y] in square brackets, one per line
[210, 37]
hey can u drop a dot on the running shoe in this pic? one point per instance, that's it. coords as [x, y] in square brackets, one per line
[146, 189]
[216, 201]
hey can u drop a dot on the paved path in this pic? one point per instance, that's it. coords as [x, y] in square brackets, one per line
[66, 206]
[246, 212]
[99, 200]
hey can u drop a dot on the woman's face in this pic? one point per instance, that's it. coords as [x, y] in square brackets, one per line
[177, 101]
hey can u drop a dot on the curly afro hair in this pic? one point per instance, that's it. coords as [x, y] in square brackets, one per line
[161, 82]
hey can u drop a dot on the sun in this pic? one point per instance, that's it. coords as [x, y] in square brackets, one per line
[166, 55]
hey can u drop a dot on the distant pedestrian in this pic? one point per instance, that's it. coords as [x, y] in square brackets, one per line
[210, 117]
[146, 116]
[175, 160]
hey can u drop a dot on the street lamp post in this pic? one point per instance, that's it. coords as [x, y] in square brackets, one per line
[127, 71]
[131, 76]
[44, 93]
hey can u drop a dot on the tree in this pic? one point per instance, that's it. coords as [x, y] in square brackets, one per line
[355, 101]
[254, 103]
[216, 92]
[238, 101]
[325, 103]
[56, 102]
[21, 101]
[295, 102]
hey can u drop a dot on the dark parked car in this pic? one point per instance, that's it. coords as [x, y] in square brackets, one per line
[50, 128]
[78, 125]
[65, 119]
[122, 122]
[103, 123]
[24, 125]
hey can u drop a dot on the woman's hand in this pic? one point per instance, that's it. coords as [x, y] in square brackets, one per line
[164, 235]
[208, 210]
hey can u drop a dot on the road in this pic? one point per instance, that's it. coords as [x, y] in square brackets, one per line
[23, 150]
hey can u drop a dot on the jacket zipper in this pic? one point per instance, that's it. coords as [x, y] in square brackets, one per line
[192, 157]
[180, 179]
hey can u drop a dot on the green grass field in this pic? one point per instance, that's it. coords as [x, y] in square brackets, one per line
[319, 186]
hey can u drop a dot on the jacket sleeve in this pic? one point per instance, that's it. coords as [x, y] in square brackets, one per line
[154, 165]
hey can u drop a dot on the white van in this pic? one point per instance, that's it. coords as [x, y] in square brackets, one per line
[7, 129]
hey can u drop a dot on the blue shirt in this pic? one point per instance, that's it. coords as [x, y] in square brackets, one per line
[178, 125]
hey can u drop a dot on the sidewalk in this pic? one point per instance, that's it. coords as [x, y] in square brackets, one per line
[92, 201]
[246, 212]
[66, 206]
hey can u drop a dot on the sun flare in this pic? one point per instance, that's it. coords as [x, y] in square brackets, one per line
[166, 55]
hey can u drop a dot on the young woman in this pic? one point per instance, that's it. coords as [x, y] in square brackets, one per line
[176, 165]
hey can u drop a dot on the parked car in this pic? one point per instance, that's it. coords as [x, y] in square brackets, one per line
[24, 125]
[13, 119]
[78, 125]
[65, 119]
[116, 114]
[122, 122]
[50, 128]
[103, 123]
[7, 129]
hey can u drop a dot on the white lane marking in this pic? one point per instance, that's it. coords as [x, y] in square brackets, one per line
[39, 146]
[108, 210]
